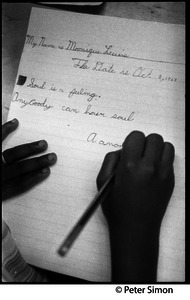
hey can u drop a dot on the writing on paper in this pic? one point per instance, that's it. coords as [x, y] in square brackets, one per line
[94, 138]
[32, 102]
[138, 72]
[89, 110]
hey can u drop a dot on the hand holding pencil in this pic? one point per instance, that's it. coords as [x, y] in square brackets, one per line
[134, 208]
[143, 183]
[135, 185]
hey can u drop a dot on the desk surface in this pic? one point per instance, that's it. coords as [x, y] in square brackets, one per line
[16, 17]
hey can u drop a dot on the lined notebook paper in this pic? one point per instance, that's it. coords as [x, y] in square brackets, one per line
[83, 84]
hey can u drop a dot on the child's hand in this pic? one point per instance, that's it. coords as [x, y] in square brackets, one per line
[144, 181]
[19, 174]
[136, 204]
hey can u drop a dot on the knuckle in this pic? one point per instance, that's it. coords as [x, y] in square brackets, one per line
[30, 146]
[39, 162]
[130, 166]
[148, 168]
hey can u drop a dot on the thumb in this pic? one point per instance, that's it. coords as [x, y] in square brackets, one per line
[108, 166]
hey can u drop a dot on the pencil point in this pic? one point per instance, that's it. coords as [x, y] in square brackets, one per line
[63, 251]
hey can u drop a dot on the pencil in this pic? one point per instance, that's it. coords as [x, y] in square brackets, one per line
[72, 236]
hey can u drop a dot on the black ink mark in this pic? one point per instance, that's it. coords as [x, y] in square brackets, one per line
[21, 80]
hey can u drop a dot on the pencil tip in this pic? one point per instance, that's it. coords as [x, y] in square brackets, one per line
[63, 251]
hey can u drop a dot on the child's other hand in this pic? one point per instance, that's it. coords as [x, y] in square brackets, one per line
[20, 173]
